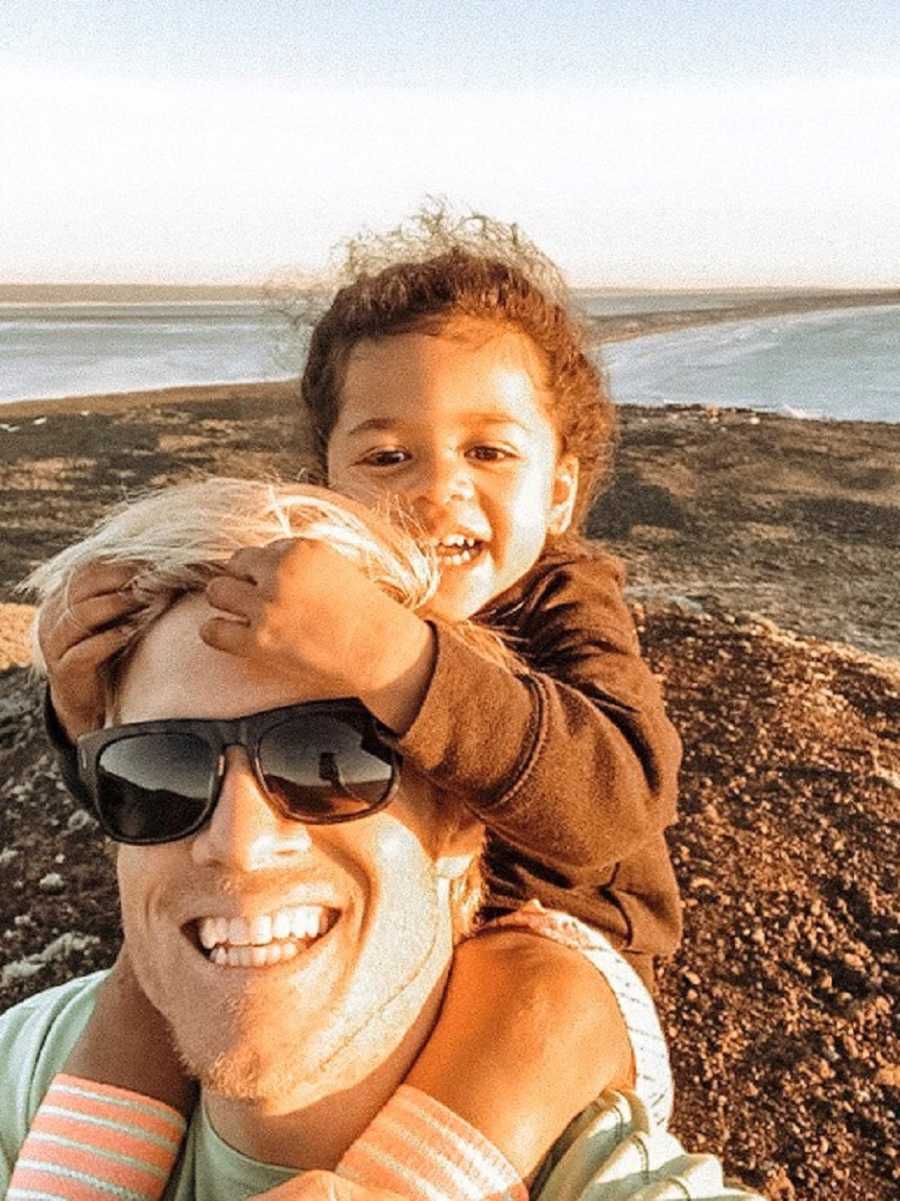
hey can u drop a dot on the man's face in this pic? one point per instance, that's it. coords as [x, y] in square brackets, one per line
[283, 1031]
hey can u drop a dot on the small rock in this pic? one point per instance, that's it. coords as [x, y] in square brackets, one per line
[79, 820]
[20, 970]
[7, 855]
[63, 946]
[52, 882]
[779, 1186]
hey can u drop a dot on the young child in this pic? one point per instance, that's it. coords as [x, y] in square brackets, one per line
[455, 387]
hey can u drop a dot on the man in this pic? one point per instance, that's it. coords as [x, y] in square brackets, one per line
[295, 938]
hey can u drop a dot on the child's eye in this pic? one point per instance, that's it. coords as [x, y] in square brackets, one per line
[388, 457]
[490, 454]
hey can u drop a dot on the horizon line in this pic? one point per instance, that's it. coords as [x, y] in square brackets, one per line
[244, 287]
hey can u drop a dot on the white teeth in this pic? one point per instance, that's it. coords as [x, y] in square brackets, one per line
[261, 929]
[238, 932]
[305, 923]
[455, 550]
[264, 939]
[281, 924]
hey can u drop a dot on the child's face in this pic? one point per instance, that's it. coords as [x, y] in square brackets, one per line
[455, 428]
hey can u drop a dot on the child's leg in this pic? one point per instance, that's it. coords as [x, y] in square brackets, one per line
[529, 1034]
[113, 1120]
[127, 1044]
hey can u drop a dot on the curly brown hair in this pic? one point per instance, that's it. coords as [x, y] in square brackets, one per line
[483, 271]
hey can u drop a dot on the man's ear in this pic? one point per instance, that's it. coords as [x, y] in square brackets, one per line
[565, 493]
[460, 850]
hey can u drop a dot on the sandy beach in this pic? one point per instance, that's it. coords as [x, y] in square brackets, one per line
[763, 557]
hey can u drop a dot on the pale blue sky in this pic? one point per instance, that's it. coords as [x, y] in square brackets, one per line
[653, 142]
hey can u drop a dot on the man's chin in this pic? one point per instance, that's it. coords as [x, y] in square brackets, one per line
[242, 1076]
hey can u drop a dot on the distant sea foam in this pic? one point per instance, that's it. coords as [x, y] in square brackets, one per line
[841, 363]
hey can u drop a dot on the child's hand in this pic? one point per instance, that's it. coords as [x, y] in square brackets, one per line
[127, 1043]
[310, 616]
[78, 631]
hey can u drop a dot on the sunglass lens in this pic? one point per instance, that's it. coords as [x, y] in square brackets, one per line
[324, 767]
[154, 787]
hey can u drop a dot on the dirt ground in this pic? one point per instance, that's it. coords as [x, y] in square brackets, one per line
[764, 555]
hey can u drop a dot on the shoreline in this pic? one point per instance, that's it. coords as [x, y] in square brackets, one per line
[621, 327]
[139, 398]
[284, 391]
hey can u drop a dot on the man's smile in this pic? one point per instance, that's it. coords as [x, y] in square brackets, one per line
[263, 940]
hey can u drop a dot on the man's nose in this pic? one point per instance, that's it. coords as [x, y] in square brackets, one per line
[245, 833]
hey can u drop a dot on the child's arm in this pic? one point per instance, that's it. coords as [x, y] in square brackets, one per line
[572, 764]
[574, 760]
[113, 1119]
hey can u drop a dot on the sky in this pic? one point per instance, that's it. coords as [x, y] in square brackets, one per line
[641, 143]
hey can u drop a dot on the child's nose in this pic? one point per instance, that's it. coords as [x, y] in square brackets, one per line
[445, 480]
[245, 833]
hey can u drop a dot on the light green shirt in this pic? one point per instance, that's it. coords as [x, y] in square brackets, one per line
[612, 1152]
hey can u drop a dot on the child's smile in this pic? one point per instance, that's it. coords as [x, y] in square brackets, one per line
[454, 427]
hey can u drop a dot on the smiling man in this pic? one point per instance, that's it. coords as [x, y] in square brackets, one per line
[367, 903]
[290, 902]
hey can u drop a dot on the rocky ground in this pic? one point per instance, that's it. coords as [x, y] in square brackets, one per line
[764, 555]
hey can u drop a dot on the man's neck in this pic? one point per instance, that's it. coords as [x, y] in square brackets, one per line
[316, 1134]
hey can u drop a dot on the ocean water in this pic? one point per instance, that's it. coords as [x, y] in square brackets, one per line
[48, 351]
[840, 363]
[843, 363]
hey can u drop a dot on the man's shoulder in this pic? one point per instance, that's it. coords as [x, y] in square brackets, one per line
[45, 1009]
[36, 1037]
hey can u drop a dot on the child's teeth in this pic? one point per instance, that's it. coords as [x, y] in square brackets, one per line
[455, 550]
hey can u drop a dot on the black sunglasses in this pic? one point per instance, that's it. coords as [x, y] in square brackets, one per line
[158, 781]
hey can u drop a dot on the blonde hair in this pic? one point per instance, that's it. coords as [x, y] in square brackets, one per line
[180, 536]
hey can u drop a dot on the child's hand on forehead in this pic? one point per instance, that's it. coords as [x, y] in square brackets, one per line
[310, 616]
[79, 629]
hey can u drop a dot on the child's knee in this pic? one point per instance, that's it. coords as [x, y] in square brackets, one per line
[552, 1000]
[546, 972]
